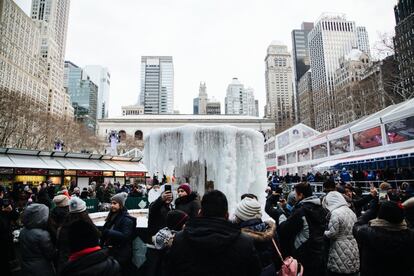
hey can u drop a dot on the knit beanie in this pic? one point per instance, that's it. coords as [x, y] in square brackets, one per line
[88, 238]
[186, 187]
[291, 198]
[76, 205]
[120, 198]
[248, 209]
[61, 201]
[176, 219]
[391, 211]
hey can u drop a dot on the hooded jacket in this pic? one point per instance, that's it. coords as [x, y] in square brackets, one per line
[98, 263]
[212, 247]
[262, 234]
[301, 235]
[37, 250]
[343, 252]
[189, 204]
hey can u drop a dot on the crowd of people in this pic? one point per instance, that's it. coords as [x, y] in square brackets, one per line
[359, 177]
[343, 232]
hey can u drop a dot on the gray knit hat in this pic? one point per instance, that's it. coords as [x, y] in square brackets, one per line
[61, 201]
[76, 205]
[248, 209]
[120, 198]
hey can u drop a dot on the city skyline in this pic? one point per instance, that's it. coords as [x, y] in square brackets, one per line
[214, 35]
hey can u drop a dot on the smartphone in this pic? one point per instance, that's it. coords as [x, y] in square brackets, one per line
[167, 187]
[382, 195]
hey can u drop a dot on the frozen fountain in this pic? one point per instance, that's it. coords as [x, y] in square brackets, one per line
[226, 158]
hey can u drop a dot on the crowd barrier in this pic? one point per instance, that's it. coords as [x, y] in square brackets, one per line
[92, 204]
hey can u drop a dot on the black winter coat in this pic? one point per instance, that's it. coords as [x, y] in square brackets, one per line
[157, 216]
[189, 204]
[382, 251]
[98, 263]
[212, 247]
[119, 233]
[301, 235]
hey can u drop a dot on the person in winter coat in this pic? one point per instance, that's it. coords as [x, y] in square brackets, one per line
[8, 216]
[343, 256]
[36, 247]
[155, 265]
[301, 235]
[280, 209]
[187, 200]
[77, 211]
[157, 214]
[87, 257]
[409, 212]
[58, 215]
[248, 216]
[211, 245]
[118, 233]
[43, 195]
[385, 242]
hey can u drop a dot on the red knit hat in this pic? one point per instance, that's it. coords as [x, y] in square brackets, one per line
[186, 187]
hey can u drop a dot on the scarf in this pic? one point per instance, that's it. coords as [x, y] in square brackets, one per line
[388, 225]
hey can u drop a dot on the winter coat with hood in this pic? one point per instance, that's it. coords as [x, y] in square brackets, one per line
[190, 204]
[262, 234]
[343, 252]
[301, 235]
[212, 246]
[118, 232]
[94, 264]
[385, 249]
[36, 247]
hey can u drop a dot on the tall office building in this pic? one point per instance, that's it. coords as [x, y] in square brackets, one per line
[52, 19]
[332, 38]
[279, 91]
[404, 41]
[83, 94]
[363, 40]
[239, 100]
[157, 84]
[306, 100]
[101, 77]
[200, 103]
[300, 57]
[21, 70]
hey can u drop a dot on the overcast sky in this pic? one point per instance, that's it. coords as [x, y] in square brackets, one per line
[210, 40]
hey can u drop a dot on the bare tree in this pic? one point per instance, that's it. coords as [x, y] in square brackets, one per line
[24, 123]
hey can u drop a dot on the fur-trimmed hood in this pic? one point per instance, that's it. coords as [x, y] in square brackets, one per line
[261, 236]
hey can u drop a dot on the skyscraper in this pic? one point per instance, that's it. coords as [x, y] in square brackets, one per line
[101, 77]
[52, 19]
[404, 41]
[332, 37]
[213, 107]
[363, 41]
[200, 103]
[300, 56]
[279, 91]
[157, 84]
[83, 94]
[21, 70]
[239, 100]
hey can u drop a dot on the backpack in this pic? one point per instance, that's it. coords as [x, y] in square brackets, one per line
[290, 266]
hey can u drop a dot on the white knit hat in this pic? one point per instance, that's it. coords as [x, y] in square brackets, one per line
[248, 209]
[76, 205]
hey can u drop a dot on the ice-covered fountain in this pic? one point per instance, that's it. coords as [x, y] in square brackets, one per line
[227, 158]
